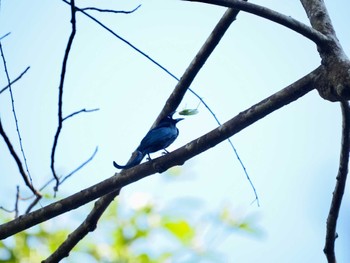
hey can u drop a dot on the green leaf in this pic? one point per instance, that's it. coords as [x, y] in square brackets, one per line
[188, 112]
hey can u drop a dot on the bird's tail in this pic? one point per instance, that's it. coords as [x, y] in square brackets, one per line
[138, 158]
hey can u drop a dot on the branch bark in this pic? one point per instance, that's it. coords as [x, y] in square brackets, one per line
[335, 84]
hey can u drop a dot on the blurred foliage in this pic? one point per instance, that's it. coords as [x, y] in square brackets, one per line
[136, 233]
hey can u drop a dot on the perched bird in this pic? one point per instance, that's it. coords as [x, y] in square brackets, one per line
[156, 139]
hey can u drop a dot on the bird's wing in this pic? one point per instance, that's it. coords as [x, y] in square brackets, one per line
[158, 139]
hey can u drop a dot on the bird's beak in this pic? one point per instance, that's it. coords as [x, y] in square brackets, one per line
[179, 119]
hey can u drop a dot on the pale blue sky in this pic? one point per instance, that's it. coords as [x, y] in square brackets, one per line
[291, 155]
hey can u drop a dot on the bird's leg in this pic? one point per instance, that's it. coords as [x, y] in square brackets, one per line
[148, 157]
[165, 152]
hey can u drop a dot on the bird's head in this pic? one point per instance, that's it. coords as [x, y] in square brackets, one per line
[169, 119]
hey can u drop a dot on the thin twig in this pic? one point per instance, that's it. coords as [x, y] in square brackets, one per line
[13, 81]
[15, 118]
[1, 38]
[338, 193]
[60, 94]
[110, 11]
[80, 166]
[18, 161]
[30, 207]
[16, 203]
[287, 21]
[79, 111]
[177, 157]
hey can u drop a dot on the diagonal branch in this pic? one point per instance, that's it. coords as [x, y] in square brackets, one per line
[338, 193]
[16, 123]
[36, 200]
[220, 27]
[272, 15]
[15, 80]
[60, 94]
[177, 157]
[172, 103]
[18, 161]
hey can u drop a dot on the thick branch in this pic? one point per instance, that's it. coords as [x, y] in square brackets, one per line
[335, 84]
[161, 164]
[269, 14]
[338, 193]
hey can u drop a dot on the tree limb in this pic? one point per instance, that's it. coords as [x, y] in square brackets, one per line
[335, 85]
[172, 103]
[60, 93]
[161, 164]
[272, 15]
[338, 193]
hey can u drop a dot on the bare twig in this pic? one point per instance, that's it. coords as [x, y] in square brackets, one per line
[269, 14]
[338, 193]
[177, 157]
[7, 210]
[60, 94]
[110, 11]
[18, 161]
[1, 38]
[80, 166]
[30, 207]
[16, 121]
[16, 203]
[79, 111]
[16, 79]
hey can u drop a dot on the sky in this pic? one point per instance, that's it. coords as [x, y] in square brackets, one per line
[291, 155]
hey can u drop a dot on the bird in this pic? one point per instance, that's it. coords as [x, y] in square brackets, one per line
[158, 138]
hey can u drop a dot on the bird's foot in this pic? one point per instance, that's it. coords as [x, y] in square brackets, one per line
[165, 152]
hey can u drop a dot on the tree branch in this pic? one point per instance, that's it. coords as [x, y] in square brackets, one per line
[17, 127]
[335, 85]
[172, 103]
[161, 164]
[109, 10]
[219, 27]
[274, 16]
[18, 162]
[338, 193]
[60, 93]
[77, 112]
[15, 80]
[36, 200]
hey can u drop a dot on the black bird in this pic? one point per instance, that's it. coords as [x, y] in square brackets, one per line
[156, 139]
